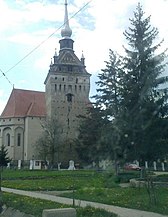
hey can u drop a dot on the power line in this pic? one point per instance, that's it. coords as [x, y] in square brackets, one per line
[41, 43]
[3, 74]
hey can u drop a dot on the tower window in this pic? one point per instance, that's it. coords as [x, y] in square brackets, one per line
[55, 78]
[60, 87]
[69, 97]
[80, 87]
[63, 79]
[18, 139]
[76, 80]
[55, 87]
[75, 87]
[8, 139]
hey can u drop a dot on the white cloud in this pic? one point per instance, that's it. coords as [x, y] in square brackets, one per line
[96, 29]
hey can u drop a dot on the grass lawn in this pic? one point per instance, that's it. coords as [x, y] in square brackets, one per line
[36, 206]
[136, 198]
[51, 180]
[88, 185]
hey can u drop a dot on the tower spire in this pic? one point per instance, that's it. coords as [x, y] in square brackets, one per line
[66, 32]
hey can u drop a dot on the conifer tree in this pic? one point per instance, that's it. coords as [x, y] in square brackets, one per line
[129, 93]
[109, 92]
[4, 159]
[142, 101]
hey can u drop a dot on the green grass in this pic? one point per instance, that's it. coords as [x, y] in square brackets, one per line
[36, 206]
[51, 180]
[40, 174]
[136, 198]
[89, 185]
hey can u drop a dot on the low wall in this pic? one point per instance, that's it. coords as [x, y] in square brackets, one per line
[66, 212]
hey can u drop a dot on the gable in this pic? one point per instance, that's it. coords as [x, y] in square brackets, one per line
[24, 103]
[69, 58]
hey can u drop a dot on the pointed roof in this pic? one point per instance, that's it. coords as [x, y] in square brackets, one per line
[66, 32]
[24, 103]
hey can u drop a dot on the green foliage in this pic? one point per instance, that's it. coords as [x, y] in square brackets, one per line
[47, 180]
[144, 106]
[134, 198]
[36, 206]
[132, 98]
[88, 145]
[4, 159]
[92, 212]
[89, 185]
[126, 176]
[29, 205]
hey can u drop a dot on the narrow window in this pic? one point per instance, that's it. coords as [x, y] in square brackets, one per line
[60, 87]
[63, 79]
[18, 139]
[55, 87]
[76, 80]
[75, 87]
[8, 139]
[64, 87]
[69, 97]
[80, 87]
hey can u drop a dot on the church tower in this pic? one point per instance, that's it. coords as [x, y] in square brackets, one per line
[67, 87]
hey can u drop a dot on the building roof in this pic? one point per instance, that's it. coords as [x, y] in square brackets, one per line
[24, 103]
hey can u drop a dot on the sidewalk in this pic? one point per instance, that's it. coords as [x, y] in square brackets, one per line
[122, 212]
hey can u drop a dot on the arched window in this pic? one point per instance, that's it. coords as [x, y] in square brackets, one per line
[69, 97]
[8, 139]
[55, 87]
[18, 139]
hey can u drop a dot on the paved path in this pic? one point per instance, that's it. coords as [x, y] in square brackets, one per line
[122, 212]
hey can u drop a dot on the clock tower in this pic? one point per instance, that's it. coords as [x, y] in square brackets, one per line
[67, 87]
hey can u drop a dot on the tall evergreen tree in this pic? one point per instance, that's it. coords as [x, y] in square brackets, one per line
[129, 93]
[109, 92]
[141, 105]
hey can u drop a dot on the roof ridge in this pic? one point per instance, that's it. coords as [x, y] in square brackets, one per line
[28, 90]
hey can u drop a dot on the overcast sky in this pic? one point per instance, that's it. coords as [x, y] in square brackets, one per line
[25, 24]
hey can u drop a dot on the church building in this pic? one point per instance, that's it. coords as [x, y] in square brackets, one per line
[66, 96]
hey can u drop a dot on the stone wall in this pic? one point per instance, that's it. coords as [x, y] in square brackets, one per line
[67, 212]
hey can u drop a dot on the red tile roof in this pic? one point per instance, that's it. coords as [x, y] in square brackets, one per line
[23, 103]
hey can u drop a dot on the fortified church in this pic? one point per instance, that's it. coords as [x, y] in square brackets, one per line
[66, 96]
